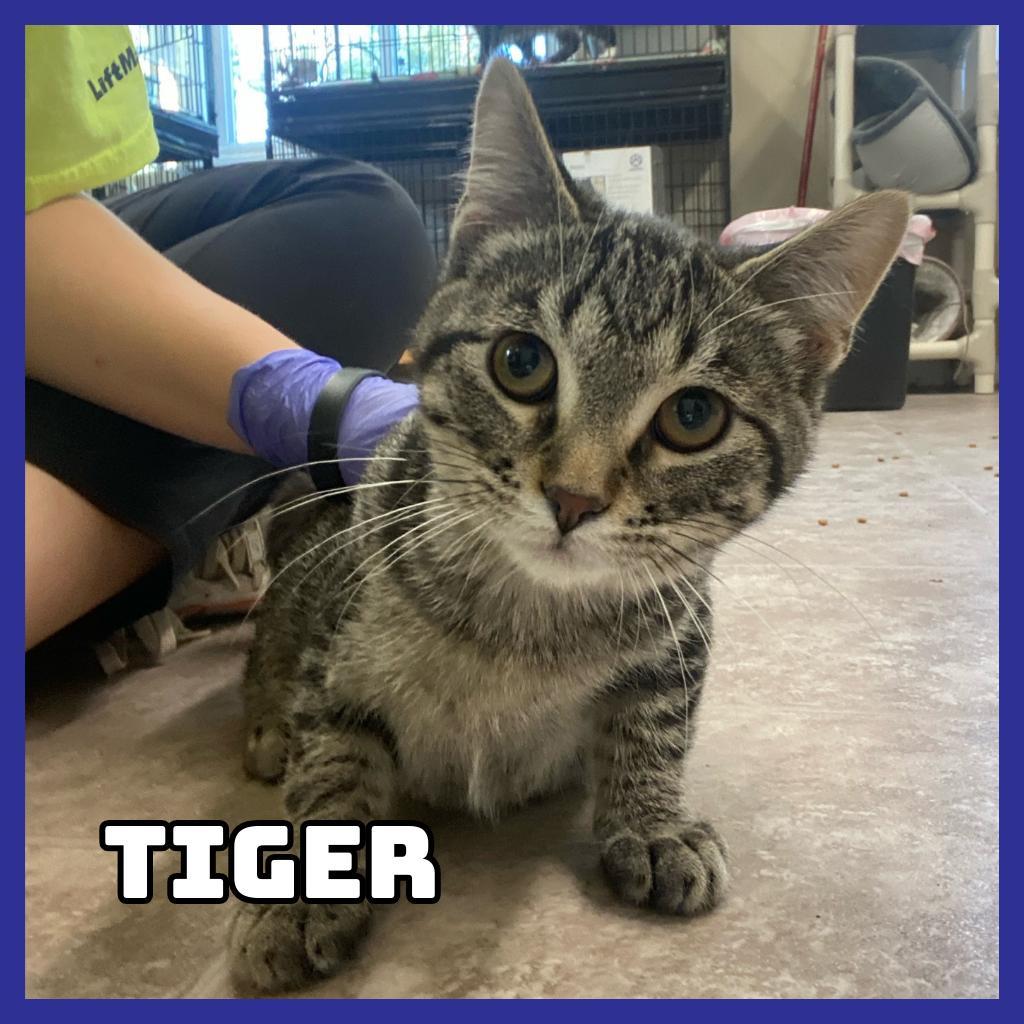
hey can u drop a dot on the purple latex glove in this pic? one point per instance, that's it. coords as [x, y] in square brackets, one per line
[272, 399]
[375, 406]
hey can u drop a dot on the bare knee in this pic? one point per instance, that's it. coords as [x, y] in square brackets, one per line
[75, 555]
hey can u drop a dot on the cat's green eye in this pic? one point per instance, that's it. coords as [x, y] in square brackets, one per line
[691, 419]
[524, 367]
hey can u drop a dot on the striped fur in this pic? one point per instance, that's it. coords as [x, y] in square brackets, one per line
[436, 636]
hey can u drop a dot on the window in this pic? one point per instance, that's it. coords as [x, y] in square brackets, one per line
[173, 63]
[239, 94]
[249, 112]
[307, 54]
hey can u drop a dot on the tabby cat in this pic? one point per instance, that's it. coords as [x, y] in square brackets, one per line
[517, 596]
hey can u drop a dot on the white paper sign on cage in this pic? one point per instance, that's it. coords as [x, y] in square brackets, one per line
[631, 178]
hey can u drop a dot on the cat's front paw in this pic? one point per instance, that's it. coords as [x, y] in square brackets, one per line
[281, 946]
[682, 871]
[266, 750]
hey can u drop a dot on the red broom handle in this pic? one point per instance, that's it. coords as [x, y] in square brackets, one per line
[812, 116]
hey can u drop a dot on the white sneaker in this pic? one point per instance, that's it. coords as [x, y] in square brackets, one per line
[232, 576]
[229, 581]
[148, 641]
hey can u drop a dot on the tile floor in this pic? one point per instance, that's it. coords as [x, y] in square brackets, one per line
[848, 751]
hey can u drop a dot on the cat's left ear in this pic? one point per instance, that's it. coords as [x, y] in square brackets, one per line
[825, 276]
[514, 176]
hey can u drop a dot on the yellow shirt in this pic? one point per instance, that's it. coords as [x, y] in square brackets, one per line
[87, 118]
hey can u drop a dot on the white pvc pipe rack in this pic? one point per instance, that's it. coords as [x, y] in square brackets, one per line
[979, 200]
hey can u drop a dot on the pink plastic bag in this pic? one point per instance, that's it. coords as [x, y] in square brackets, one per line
[770, 227]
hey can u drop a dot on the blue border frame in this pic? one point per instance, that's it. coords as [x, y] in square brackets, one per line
[12, 449]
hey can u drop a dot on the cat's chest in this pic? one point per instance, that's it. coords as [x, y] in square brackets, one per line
[472, 727]
[455, 680]
[465, 750]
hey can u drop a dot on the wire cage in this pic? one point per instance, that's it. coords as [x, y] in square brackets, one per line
[659, 89]
[696, 186]
[432, 184]
[149, 176]
[175, 63]
[308, 55]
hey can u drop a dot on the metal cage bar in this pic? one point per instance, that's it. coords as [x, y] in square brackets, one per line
[175, 62]
[667, 86]
[309, 55]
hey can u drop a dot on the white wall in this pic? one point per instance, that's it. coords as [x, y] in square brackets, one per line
[771, 76]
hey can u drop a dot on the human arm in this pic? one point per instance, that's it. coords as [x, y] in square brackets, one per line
[111, 320]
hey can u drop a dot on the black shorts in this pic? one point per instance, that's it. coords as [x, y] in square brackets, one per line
[329, 251]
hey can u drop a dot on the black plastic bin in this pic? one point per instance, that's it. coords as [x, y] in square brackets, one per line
[874, 374]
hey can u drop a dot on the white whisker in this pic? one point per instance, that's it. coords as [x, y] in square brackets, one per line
[679, 654]
[394, 515]
[586, 249]
[561, 240]
[745, 283]
[387, 563]
[729, 589]
[769, 305]
[738, 537]
[280, 472]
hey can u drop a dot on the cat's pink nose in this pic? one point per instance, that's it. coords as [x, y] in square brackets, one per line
[572, 509]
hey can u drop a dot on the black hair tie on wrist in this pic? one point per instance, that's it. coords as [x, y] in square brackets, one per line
[324, 425]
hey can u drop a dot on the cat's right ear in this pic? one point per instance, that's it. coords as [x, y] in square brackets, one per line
[514, 176]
